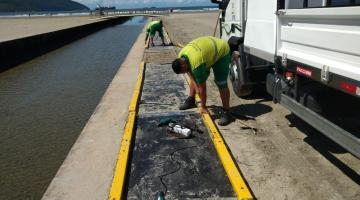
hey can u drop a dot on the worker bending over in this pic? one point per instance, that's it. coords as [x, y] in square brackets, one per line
[153, 27]
[196, 59]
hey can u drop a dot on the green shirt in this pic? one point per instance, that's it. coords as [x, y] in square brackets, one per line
[153, 27]
[202, 53]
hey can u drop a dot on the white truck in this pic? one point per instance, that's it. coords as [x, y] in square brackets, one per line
[306, 52]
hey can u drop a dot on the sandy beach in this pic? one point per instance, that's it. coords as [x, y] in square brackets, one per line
[184, 27]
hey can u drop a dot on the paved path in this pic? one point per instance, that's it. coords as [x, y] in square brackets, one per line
[14, 28]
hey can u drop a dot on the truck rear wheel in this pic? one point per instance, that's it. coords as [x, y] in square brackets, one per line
[237, 74]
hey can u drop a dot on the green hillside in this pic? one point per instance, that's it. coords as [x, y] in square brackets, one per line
[39, 5]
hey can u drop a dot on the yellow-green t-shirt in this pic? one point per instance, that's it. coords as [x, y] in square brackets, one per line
[202, 53]
[153, 27]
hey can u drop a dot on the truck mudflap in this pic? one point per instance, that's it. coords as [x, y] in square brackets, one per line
[345, 139]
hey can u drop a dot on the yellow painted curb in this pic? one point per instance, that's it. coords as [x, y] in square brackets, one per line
[118, 183]
[179, 45]
[236, 180]
[137, 90]
[166, 35]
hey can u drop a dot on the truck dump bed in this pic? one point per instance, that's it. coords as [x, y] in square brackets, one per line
[327, 40]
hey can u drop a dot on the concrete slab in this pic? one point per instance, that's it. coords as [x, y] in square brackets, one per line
[157, 98]
[160, 54]
[155, 55]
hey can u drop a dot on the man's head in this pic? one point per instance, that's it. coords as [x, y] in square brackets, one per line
[180, 66]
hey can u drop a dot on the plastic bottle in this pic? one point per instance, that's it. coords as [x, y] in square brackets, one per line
[183, 131]
[160, 196]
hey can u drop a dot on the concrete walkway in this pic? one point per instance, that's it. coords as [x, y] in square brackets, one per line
[88, 170]
[15, 28]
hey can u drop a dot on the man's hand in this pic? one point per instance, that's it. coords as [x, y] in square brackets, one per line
[204, 110]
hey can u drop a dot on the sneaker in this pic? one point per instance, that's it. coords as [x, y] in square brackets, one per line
[225, 118]
[188, 104]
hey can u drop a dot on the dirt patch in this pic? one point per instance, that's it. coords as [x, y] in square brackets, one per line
[154, 55]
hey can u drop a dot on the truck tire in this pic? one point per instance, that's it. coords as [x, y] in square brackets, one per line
[238, 74]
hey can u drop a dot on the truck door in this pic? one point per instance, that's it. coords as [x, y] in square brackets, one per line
[260, 31]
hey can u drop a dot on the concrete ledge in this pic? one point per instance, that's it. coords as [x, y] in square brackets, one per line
[88, 170]
[15, 52]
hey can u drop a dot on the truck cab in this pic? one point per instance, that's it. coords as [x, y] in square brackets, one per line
[306, 53]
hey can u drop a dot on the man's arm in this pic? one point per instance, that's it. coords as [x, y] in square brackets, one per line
[200, 84]
[147, 36]
[202, 95]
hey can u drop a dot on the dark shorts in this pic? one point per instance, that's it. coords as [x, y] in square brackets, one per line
[221, 71]
[153, 32]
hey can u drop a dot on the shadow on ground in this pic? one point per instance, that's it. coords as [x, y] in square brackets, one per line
[324, 146]
[259, 92]
[243, 111]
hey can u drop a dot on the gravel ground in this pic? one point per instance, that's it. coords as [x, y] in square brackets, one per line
[285, 158]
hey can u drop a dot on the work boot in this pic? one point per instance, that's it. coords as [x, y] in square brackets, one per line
[225, 118]
[188, 104]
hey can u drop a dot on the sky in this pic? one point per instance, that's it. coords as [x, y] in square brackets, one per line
[144, 3]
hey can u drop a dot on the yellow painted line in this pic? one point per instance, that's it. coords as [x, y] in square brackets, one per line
[166, 34]
[179, 45]
[118, 183]
[237, 181]
[168, 37]
[137, 90]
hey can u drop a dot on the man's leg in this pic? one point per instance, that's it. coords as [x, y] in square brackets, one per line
[162, 39]
[152, 40]
[225, 97]
[162, 36]
[225, 118]
[221, 72]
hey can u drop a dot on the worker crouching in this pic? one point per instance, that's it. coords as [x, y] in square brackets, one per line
[196, 59]
[152, 28]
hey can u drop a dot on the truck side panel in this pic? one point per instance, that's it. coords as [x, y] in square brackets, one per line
[322, 37]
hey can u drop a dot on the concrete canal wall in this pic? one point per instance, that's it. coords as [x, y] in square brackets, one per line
[16, 51]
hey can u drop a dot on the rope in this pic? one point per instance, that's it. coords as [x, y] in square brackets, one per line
[217, 22]
[177, 162]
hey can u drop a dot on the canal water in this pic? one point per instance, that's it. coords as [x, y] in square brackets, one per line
[46, 102]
